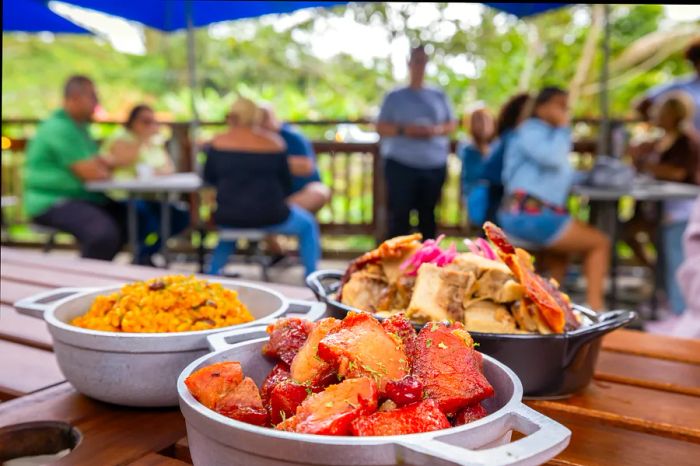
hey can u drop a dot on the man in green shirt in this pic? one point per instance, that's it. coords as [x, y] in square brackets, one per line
[61, 157]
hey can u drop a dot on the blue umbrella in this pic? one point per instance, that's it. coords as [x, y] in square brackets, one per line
[522, 10]
[172, 15]
[34, 16]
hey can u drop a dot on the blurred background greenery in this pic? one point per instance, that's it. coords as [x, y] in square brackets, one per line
[259, 60]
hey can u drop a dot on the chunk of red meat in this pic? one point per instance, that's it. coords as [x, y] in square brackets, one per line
[331, 411]
[449, 367]
[285, 397]
[211, 383]
[278, 374]
[399, 325]
[244, 404]
[405, 391]
[424, 416]
[469, 414]
[361, 347]
[281, 395]
[308, 368]
[287, 336]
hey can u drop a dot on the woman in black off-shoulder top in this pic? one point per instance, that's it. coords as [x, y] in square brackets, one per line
[248, 167]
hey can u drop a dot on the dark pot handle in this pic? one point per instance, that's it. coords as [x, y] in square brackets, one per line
[317, 282]
[607, 322]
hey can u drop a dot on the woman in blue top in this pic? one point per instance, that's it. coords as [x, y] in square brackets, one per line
[537, 177]
[473, 155]
[482, 186]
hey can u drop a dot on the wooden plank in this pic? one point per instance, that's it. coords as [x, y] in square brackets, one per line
[661, 413]
[660, 374]
[599, 444]
[181, 450]
[24, 330]
[111, 434]
[154, 459]
[120, 272]
[39, 274]
[25, 369]
[653, 346]
[108, 270]
[11, 291]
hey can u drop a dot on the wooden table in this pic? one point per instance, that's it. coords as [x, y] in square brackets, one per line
[642, 408]
[605, 202]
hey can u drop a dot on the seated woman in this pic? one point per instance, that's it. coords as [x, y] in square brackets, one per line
[473, 155]
[248, 167]
[484, 196]
[537, 178]
[674, 157]
[135, 152]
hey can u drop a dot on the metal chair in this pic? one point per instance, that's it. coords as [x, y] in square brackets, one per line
[50, 234]
[254, 238]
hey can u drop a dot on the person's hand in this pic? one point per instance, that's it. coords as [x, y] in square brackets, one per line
[642, 149]
[420, 131]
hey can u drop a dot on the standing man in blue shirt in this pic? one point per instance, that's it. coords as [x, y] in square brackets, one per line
[414, 123]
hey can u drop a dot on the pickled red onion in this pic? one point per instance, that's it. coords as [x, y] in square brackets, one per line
[431, 253]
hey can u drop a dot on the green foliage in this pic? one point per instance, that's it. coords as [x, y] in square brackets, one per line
[265, 63]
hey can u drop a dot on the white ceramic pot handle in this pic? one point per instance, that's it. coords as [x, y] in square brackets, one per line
[544, 439]
[36, 305]
[309, 310]
[224, 340]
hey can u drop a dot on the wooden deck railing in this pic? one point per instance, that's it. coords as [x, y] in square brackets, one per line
[352, 171]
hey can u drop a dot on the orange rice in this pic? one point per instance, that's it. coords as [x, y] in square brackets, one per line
[174, 303]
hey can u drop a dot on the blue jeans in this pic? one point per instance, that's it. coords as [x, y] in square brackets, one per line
[673, 258]
[149, 224]
[300, 223]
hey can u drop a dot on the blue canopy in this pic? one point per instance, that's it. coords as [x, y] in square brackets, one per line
[171, 15]
[521, 10]
[34, 16]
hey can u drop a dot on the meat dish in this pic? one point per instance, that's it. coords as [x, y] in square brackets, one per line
[493, 288]
[357, 377]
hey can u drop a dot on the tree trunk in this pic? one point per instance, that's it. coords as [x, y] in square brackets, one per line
[587, 54]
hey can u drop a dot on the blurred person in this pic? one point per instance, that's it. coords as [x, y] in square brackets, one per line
[247, 164]
[689, 84]
[484, 198]
[537, 178]
[686, 325]
[674, 157]
[480, 126]
[308, 192]
[134, 151]
[61, 158]
[414, 123]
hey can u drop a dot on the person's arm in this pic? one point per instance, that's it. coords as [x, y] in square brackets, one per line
[92, 169]
[300, 165]
[667, 172]
[386, 125]
[123, 153]
[300, 154]
[445, 129]
[544, 145]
